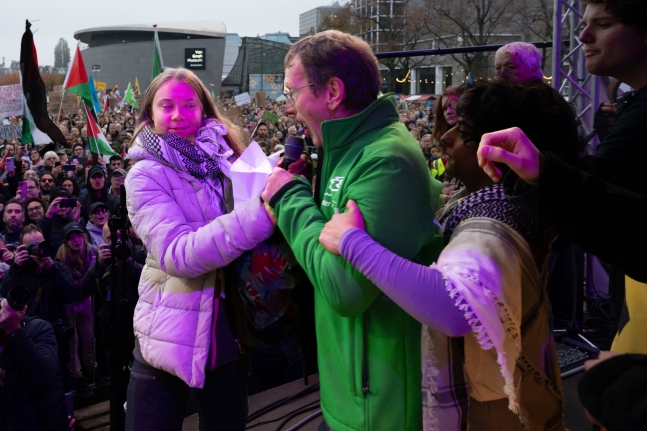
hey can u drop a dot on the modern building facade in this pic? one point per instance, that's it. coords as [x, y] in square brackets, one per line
[119, 54]
[310, 21]
[259, 67]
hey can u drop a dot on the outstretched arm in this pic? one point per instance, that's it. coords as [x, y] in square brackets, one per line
[417, 289]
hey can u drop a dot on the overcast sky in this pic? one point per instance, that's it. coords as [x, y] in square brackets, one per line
[62, 18]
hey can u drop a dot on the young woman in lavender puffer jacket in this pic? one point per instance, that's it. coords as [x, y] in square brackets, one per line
[180, 203]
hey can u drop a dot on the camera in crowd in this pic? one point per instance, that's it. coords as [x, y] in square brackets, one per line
[62, 331]
[40, 249]
[121, 250]
[18, 297]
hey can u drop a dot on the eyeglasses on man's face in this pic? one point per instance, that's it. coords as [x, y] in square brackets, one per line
[46, 180]
[35, 209]
[100, 210]
[289, 94]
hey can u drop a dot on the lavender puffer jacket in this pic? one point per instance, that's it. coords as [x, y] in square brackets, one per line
[187, 240]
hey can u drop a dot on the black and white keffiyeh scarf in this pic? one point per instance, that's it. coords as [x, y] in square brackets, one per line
[200, 158]
[491, 202]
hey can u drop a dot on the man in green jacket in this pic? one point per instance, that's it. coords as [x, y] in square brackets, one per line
[368, 348]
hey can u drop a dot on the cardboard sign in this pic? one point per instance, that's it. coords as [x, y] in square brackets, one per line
[70, 103]
[139, 98]
[261, 98]
[234, 113]
[10, 100]
[242, 99]
[270, 117]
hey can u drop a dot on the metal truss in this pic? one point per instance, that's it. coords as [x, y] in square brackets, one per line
[570, 77]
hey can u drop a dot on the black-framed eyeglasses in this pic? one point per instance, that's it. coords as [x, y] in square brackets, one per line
[35, 209]
[289, 93]
[100, 210]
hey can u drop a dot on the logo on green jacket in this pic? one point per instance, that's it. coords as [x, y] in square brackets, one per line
[333, 187]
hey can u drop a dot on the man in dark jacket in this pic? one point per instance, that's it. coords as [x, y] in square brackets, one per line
[31, 394]
[57, 217]
[97, 187]
[51, 288]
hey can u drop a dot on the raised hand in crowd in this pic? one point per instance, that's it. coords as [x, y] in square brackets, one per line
[56, 171]
[21, 256]
[104, 254]
[75, 213]
[6, 256]
[9, 318]
[55, 207]
[513, 148]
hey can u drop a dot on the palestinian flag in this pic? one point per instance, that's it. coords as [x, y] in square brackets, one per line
[76, 80]
[37, 127]
[158, 63]
[96, 139]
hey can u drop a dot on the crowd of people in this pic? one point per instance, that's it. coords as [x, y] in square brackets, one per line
[424, 218]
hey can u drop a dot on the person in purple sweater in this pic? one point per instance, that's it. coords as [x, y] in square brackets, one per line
[487, 343]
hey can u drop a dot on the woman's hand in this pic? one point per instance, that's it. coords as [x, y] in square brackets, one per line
[75, 213]
[339, 224]
[6, 256]
[56, 171]
[513, 148]
[104, 254]
[54, 207]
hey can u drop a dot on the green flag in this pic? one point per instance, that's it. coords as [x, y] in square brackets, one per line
[129, 96]
[158, 63]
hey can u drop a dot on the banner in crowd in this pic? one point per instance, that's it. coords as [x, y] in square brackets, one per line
[10, 100]
[100, 86]
[261, 98]
[234, 113]
[242, 99]
[70, 103]
[270, 117]
[9, 132]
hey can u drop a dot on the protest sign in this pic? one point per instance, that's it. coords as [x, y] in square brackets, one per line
[242, 99]
[10, 100]
[70, 102]
[139, 98]
[234, 113]
[100, 86]
[261, 98]
[9, 132]
[270, 117]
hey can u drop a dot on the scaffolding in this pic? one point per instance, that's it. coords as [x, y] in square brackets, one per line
[570, 78]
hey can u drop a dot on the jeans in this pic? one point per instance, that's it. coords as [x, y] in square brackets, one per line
[157, 400]
[82, 344]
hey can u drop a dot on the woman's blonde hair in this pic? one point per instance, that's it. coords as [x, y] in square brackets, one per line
[208, 106]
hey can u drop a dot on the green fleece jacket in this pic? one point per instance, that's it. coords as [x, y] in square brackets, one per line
[368, 347]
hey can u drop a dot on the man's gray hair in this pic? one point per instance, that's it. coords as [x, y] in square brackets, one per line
[527, 54]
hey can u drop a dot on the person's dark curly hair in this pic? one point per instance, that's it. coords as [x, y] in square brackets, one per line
[627, 11]
[540, 111]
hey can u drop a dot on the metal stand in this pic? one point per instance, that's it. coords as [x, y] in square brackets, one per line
[118, 369]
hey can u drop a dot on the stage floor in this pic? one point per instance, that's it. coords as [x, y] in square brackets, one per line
[574, 414]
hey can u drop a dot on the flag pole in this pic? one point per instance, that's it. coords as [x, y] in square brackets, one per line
[58, 117]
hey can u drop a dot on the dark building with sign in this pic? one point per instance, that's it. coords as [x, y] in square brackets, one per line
[119, 54]
[259, 67]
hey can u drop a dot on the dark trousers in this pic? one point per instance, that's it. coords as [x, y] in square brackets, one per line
[157, 400]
